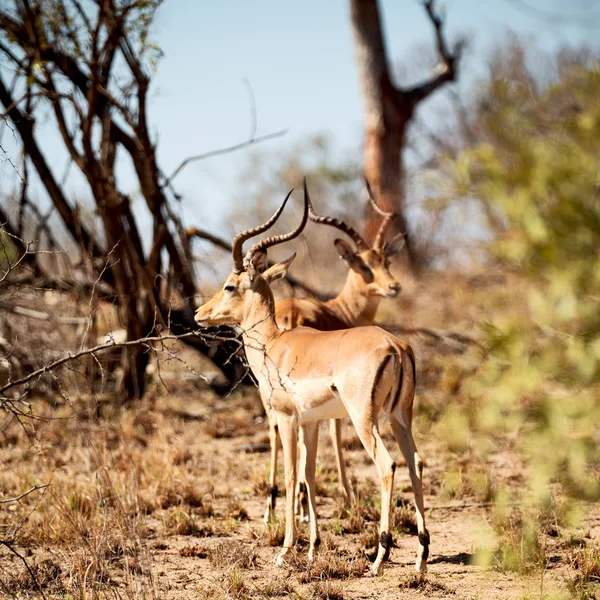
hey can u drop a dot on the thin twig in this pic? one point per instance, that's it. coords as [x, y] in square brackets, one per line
[234, 148]
[33, 489]
[31, 573]
[112, 344]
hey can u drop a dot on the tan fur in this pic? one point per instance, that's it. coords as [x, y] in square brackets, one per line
[368, 280]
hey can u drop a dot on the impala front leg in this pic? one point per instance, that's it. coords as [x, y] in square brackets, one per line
[273, 491]
[310, 440]
[288, 430]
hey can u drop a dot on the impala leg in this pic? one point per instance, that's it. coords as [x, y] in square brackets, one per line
[288, 430]
[310, 442]
[335, 430]
[301, 492]
[273, 490]
[407, 445]
[371, 440]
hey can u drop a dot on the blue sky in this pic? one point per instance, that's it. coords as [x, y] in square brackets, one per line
[299, 60]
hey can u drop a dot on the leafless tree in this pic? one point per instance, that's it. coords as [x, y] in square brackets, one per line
[89, 63]
[389, 108]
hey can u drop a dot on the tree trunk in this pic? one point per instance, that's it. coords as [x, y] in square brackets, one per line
[389, 109]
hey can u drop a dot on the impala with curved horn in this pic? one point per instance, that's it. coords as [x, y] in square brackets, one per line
[305, 375]
[368, 281]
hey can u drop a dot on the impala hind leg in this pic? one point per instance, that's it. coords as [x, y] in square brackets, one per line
[414, 463]
[310, 439]
[273, 490]
[288, 430]
[335, 430]
[368, 432]
[301, 505]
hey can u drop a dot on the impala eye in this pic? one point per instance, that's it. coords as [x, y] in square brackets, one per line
[229, 288]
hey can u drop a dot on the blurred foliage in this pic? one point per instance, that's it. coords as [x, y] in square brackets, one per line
[535, 164]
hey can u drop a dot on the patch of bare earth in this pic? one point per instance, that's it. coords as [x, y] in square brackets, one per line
[165, 501]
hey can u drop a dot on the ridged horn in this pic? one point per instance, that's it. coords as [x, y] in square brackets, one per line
[279, 239]
[240, 238]
[333, 222]
[388, 217]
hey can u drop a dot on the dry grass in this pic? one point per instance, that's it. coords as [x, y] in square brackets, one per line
[133, 489]
[329, 564]
[584, 582]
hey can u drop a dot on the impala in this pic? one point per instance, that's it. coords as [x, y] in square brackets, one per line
[368, 281]
[305, 375]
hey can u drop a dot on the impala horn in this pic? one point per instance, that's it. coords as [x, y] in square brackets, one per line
[333, 222]
[279, 239]
[388, 217]
[240, 238]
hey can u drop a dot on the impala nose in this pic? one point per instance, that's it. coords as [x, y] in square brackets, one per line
[394, 289]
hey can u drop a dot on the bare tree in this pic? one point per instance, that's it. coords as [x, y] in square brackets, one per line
[388, 107]
[89, 64]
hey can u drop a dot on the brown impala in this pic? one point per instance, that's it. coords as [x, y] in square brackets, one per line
[368, 280]
[305, 375]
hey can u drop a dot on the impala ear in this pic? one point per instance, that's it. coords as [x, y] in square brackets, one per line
[278, 270]
[395, 244]
[345, 250]
[258, 264]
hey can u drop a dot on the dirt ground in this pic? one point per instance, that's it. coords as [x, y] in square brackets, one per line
[201, 533]
[164, 500]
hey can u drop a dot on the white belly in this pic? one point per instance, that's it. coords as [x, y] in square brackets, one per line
[330, 409]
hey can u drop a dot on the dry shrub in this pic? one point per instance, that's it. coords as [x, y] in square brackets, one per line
[194, 552]
[236, 511]
[44, 575]
[326, 590]
[272, 534]
[231, 587]
[585, 565]
[275, 589]
[420, 581]
[232, 555]
[180, 522]
[228, 425]
[518, 546]
[329, 565]
[403, 517]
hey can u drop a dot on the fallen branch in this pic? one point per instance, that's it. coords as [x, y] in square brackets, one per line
[16, 498]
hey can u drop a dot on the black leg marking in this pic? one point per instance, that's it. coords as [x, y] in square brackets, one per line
[317, 542]
[385, 540]
[273, 494]
[394, 467]
[424, 541]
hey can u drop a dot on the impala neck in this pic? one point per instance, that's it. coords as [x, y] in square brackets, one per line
[258, 326]
[353, 304]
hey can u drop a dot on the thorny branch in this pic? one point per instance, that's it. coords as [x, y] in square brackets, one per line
[111, 344]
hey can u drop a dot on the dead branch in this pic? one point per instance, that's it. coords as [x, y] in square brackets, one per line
[221, 151]
[40, 316]
[24, 560]
[112, 344]
[440, 335]
[16, 498]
